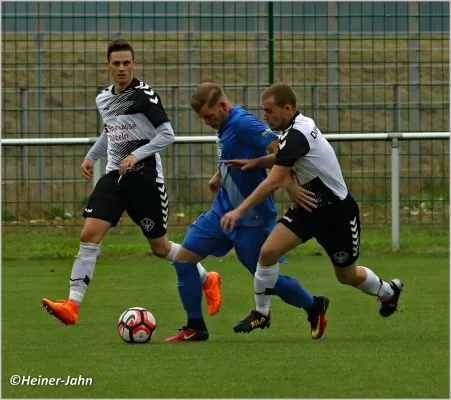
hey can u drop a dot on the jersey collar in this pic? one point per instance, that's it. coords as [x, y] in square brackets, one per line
[134, 82]
[220, 131]
[291, 123]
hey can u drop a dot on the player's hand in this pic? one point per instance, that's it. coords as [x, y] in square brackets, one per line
[243, 164]
[127, 164]
[215, 183]
[228, 220]
[301, 197]
[87, 169]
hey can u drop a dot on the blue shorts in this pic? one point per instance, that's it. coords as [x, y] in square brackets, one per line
[205, 237]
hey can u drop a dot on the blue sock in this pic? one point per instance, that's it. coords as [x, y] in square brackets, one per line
[190, 288]
[292, 292]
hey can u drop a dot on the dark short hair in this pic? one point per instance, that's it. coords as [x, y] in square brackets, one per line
[283, 94]
[119, 45]
[207, 93]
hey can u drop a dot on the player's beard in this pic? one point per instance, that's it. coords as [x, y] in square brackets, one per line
[222, 119]
[278, 127]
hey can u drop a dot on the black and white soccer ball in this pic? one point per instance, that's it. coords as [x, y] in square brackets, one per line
[136, 325]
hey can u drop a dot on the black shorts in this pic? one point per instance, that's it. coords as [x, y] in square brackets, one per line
[138, 193]
[336, 227]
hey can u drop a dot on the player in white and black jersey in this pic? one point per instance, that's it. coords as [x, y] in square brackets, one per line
[136, 128]
[335, 223]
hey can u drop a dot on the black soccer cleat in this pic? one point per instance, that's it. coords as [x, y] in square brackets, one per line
[253, 321]
[389, 306]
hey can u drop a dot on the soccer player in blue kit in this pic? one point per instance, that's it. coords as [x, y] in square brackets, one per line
[240, 136]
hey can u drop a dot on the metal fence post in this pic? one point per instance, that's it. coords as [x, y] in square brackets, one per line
[332, 72]
[114, 20]
[396, 109]
[192, 12]
[395, 168]
[246, 97]
[271, 42]
[261, 44]
[414, 89]
[39, 92]
[24, 131]
[175, 148]
[315, 110]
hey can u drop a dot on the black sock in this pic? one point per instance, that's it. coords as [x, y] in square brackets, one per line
[315, 308]
[197, 323]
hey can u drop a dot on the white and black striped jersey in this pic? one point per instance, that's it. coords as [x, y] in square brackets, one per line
[303, 148]
[134, 122]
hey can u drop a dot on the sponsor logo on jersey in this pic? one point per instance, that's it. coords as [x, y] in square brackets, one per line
[113, 128]
[114, 136]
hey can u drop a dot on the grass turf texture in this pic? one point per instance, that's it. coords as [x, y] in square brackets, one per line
[362, 355]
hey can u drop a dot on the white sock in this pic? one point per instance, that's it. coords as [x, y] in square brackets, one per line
[264, 278]
[170, 257]
[174, 249]
[82, 271]
[375, 286]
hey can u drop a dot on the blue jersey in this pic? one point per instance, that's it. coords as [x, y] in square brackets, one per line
[243, 136]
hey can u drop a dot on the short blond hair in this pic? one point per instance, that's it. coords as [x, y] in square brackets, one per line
[283, 94]
[207, 93]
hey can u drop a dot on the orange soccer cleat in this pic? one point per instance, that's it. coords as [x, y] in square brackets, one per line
[212, 292]
[65, 310]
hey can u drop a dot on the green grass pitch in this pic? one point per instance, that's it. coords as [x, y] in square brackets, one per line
[361, 356]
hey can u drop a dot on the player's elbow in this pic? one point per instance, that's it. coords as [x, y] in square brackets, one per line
[171, 138]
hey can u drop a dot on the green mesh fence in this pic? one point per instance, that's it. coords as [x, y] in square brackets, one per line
[356, 68]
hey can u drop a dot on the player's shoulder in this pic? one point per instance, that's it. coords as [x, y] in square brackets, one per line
[303, 124]
[138, 84]
[105, 92]
[299, 128]
[142, 87]
[145, 92]
[245, 120]
[244, 115]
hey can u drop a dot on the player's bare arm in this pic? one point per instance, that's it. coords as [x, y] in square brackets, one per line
[87, 169]
[215, 182]
[298, 195]
[266, 162]
[270, 184]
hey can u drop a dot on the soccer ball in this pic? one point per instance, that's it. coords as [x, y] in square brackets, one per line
[136, 325]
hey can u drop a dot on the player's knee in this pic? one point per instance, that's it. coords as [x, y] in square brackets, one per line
[88, 235]
[160, 250]
[268, 255]
[344, 279]
[347, 275]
